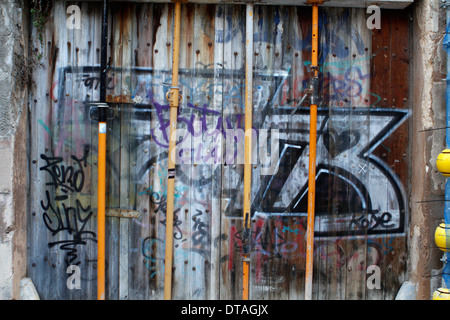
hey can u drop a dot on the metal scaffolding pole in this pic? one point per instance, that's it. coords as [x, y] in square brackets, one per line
[173, 96]
[101, 180]
[248, 150]
[314, 87]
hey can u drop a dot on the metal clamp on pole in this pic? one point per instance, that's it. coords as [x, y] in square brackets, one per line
[246, 237]
[314, 90]
[174, 97]
[101, 111]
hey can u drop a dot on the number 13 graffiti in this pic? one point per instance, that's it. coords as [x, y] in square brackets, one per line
[356, 192]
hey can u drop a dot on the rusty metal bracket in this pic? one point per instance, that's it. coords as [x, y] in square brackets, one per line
[314, 89]
[94, 110]
[307, 92]
[247, 1]
[172, 94]
[174, 97]
[313, 2]
[123, 213]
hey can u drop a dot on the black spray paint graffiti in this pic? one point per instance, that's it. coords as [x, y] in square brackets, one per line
[67, 179]
[198, 241]
[63, 219]
[347, 150]
[200, 236]
[335, 136]
[342, 173]
[152, 249]
[347, 158]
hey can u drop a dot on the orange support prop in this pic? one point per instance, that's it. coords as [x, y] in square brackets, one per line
[173, 96]
[101, 210]
[312, 157]
[248, 151]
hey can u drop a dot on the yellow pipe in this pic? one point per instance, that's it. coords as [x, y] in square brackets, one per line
[173, 97]
[101, 210]
[248, 149]
[312, 161]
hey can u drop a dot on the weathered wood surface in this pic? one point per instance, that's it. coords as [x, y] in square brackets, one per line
[362, 176]
[385, 4]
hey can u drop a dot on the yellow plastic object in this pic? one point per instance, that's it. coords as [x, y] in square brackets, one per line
[443, 162]
[441, 294]
[442, 237]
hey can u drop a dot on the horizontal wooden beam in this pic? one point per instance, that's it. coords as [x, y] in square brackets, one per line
[387, 4]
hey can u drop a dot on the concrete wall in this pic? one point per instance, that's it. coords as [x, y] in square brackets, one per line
[13, 147]
[429, 73]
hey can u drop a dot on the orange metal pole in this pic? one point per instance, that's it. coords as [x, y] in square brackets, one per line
[173, 97]
[101, 210]
[312, 157]
[102, 108]
[248, 151]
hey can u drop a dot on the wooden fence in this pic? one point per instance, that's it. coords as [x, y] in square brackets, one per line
[362, 166]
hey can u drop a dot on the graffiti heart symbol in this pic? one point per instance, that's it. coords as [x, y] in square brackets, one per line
[337, 143]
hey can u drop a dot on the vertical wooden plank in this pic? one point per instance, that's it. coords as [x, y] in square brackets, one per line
[400, 53]
[162, 58]
[362, 76]
[301, 28]
[183, 264]
[114, 157]
[41, 135]
[200, 229]
[227, 245]
[380, 87]
[127, 156]
[260, 279]
[361, 127]
[282, 63]
[147, 281]
[78, 144]
[395, 55]
[94, 59]
[275, 275]
[326, 252]
[337, 57]
[217, 90]
[62, 124]
[65, 120]
[232, 39]
[139, 252]
[351, 245]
